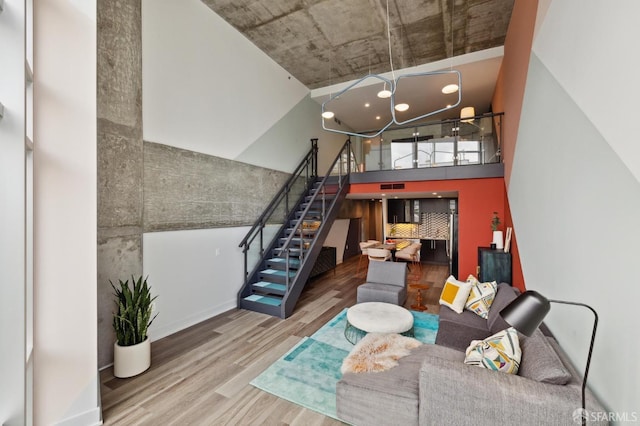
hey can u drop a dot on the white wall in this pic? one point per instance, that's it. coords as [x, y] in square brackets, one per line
[12, 214]
[574, 191]
[196, 275]
[288, 140]
[207, 88]
[66, 377]
[338, 238]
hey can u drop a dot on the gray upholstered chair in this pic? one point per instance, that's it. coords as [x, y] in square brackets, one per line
[386, 282]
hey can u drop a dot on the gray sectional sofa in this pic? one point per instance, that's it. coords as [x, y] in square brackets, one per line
[433, 386]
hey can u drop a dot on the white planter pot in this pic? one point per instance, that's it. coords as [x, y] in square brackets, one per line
[132, 360]
[498, 240]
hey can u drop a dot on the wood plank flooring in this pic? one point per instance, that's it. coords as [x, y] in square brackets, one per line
[201, 375]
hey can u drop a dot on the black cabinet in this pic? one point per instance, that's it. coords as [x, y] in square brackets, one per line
[396, 211]
[402, 211]
[326, 261]
[494, 265]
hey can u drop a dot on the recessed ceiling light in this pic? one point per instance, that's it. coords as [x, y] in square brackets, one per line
[450, 88]
[367, 105]
[328, 114]
[434, 193]
[384, 94]
[377, 117]
[402, 107]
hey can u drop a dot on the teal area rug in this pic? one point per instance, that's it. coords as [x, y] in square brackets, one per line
[308, 373]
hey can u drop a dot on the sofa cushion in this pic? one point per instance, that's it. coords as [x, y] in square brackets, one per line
[500, 352]
[481, 296]
[455, 294]
[375, 292]
[392, 393]
[540, 361]
[504, 295]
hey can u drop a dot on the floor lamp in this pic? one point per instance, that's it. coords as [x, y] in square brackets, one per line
[526, 313]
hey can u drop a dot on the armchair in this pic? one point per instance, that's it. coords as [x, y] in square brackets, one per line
[386, 282]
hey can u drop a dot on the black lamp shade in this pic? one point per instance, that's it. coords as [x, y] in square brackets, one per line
[526, 312]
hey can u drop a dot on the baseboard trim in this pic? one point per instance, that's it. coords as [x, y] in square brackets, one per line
[193, 319]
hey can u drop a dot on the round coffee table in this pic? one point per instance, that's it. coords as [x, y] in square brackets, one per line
[377, 317]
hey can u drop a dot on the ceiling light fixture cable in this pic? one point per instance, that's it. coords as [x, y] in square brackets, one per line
[384, 93]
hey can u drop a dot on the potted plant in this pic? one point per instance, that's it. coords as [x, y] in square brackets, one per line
[497, 235]
[133, 316]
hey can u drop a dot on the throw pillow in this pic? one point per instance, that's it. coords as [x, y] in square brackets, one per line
[378, 352]
[455, 294]
[500, 352]
[541, 362]
[481, 296]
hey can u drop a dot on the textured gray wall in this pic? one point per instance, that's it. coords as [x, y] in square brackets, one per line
[120, 159]
[188, 190]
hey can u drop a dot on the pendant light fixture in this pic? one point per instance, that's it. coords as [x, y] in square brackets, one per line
[467, 114]
[450, 88]
[390, 91]
[384, 93]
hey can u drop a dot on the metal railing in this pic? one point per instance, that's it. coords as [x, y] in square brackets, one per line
[342, 166]
[456, 142]
[279, 209]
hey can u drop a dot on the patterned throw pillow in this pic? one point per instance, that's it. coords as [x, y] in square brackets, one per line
[481, 296]
[454, 294]
[500, 352]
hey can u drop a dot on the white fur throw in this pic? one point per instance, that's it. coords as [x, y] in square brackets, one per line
[378, 352]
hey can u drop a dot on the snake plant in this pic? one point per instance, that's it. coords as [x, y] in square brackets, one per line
[134, 309]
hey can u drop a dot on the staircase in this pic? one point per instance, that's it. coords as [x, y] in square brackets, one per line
[284, 264]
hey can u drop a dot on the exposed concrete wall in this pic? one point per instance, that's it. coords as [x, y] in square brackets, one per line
[120, 171]
[188, 190]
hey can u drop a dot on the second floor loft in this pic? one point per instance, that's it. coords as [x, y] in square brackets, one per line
[450, 149]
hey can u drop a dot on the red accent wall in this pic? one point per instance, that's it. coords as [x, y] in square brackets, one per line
[508, 98]
[477, 200]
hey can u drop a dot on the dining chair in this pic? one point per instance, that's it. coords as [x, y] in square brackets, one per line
[364, 248]
[379, 255]
[411, 254]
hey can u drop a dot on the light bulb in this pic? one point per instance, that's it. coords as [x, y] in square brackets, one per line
[328, 114]
[450, 88]
[402, 107]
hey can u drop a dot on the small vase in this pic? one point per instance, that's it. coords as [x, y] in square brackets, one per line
[129, 361]
[498, 240]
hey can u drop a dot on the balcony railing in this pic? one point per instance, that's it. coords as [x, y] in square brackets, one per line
[435, 144]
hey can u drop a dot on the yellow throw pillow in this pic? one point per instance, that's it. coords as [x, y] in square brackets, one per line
[500, 352]
[455, 294]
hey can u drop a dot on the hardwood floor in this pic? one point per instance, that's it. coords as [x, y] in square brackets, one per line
[201, 375]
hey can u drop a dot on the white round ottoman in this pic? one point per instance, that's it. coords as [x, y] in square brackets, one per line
[377, 317]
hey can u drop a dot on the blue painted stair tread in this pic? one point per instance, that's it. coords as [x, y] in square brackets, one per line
[264, 299]
[270, 286]
[277, 272]
[283, 261]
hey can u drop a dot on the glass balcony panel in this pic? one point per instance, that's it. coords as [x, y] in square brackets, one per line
[436, 144]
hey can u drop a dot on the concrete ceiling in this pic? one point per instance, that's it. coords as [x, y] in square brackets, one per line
[326, 42]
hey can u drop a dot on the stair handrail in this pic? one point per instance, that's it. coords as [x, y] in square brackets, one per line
[321, 188]
[310, 158]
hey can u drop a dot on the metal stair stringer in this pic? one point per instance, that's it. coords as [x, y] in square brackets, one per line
[296, 287]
